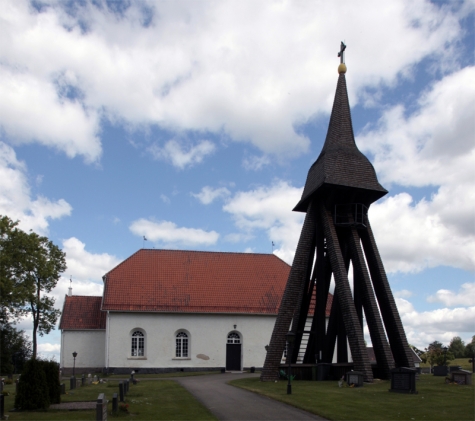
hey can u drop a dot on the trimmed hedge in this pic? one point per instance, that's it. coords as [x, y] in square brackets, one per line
[51, 370]
[33, 391]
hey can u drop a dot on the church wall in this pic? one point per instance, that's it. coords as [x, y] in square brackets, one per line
[207, 335]
[90, 346]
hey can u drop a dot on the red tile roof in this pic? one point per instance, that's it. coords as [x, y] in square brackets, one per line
[82, 313]
[196, 282]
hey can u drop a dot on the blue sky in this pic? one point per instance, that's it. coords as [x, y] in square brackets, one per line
[195, 123]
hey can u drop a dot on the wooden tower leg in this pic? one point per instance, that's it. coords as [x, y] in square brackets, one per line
[396, 335]
[293, 289]
[348, 311]
[375, 325]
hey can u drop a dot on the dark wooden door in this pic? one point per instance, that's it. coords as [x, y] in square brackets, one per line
[233, 357]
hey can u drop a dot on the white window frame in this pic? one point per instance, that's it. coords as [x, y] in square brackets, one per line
[182, 345]
[233, 338]
[138, 345]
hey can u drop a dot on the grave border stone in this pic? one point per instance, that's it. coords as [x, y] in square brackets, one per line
[466, 374]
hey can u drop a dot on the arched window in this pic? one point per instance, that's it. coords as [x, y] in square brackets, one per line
[138, 344]
[181, 348]
[234, 338]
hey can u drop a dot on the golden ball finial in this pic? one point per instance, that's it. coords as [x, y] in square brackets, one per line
[342, 68]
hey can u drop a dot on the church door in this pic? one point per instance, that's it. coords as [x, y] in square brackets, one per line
[233, 352]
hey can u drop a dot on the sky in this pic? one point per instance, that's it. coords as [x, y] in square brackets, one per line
[194, 124]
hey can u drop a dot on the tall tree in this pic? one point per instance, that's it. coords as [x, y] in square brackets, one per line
[33, 265]
[457, 347]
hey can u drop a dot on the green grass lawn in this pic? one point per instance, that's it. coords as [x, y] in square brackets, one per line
[462, 362]
[148, 400]
[435, 400]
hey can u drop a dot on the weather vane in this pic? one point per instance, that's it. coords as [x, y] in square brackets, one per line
[341, 54]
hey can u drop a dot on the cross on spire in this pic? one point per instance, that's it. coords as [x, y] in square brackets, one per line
[341, 54]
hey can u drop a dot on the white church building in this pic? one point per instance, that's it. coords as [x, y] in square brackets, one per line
[174, 310]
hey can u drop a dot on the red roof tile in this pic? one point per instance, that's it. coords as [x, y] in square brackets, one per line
[196, 282]
[82, 312]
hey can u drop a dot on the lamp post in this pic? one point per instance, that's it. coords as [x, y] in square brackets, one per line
[290, 345]
[75, 354]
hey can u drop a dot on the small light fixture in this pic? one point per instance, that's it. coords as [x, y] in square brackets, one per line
[235, 326]
[75, 354]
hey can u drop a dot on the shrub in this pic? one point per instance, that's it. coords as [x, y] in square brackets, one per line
[32, 387]
[51, 370]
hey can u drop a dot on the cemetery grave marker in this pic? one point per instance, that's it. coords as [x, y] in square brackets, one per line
[101, 408]
[403, 380]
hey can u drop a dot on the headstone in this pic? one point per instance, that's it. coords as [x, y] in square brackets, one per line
[354, 378]
[83, 380]
[63, 389]
[121, 391]
[72, 383]
[101, 408]
[441, 370]
[115, 403]
[95, 379]
[462, 377]
[403, 380]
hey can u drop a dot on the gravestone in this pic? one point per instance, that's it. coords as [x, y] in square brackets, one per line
[355, 378]
[72, 383]
[403, 380]
[63, 389]
[101, 408]
[121, 391]
[83, 380]
[441, 370]
[115, 403]
[462, 377]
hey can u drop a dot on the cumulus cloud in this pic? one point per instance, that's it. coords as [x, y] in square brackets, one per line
[180, 157]
[403, 293]
[441, 324]
[16, 200]
[222, 67]
[465, 297]
[269, 208]
[169, 233]
[433, 146]
[86, 266]
[207, 194]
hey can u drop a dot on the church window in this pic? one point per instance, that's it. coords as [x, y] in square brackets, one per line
[234, 338]
[138, 344]
[181, 349]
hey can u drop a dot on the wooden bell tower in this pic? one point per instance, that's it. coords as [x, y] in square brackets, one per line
[341, 185]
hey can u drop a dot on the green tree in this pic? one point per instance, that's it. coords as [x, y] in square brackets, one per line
[33, 265]
[15, 349]
[436, 355]
[13, 259]
[457, 347]
[470, 348]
